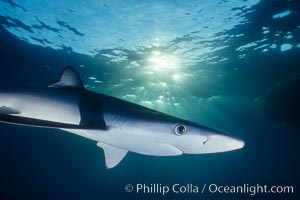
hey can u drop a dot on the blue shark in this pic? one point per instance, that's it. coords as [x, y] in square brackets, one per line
[116, 125]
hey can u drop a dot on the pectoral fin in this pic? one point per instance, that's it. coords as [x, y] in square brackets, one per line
[113, 155]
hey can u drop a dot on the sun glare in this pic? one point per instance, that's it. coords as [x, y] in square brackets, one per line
[163, 77]
[162, 62]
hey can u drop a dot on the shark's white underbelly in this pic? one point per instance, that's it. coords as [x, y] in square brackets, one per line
[53, 112]
[46, 108]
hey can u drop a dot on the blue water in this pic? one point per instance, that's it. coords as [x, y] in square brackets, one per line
[230, 65]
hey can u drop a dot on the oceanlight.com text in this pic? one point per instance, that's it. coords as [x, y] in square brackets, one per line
[189, 188]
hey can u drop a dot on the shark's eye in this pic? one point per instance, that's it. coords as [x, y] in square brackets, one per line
[180, 129]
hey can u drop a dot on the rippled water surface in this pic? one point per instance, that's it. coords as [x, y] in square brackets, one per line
[231, 65]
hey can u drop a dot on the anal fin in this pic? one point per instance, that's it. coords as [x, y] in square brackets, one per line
[113, 155]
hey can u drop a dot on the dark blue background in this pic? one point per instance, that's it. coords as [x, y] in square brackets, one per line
[38, 163]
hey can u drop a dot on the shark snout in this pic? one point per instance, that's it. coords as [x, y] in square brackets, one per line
[222, 143]
[238, 144]
[203, 140]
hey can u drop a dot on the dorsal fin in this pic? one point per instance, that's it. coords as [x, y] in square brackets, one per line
[69, 78]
